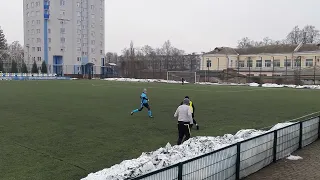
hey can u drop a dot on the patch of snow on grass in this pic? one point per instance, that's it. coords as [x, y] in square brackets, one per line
[294, 158]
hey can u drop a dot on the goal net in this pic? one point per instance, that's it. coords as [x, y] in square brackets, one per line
[176, 76]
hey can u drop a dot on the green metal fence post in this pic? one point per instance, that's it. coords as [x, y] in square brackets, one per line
[300, 135]
[180, 171]
[275, 141]
[238, 161]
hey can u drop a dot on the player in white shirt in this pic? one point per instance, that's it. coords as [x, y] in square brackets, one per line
[184, 115]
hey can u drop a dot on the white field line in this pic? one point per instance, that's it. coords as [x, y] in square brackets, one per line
[295, 119]
[317, 112]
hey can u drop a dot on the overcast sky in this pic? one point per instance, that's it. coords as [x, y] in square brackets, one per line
[191, 25]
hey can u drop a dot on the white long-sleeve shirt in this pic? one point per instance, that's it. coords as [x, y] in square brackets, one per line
[184, 114]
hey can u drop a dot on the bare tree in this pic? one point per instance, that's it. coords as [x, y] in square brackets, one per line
[147, 50]
[109, 57]
[112, 57]
[267, 41]
[245, 43]
[312, 34]
[295, 36]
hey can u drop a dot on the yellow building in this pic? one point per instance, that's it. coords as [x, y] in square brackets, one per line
[273, 60]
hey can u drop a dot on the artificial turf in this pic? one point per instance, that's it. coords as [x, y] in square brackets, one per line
[68, 129]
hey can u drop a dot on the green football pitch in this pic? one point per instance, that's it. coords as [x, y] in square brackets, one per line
[67, 129]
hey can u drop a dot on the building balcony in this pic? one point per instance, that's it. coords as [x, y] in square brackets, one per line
[46, 16]
[46, 7]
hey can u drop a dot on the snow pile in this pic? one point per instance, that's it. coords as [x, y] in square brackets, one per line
[253, 84]
[221, 84]
[267, 85]
[169, 155]
[294, 158]
[143, 80]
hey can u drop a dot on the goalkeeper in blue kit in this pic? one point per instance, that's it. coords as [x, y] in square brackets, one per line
[144, 103]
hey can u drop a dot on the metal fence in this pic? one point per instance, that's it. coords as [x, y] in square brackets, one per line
[243, 158]
[278, 75]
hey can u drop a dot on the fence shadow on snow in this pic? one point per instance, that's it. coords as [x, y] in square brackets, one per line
[243, 158]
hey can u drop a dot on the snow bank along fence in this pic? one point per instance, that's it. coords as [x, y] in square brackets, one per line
[243, 158]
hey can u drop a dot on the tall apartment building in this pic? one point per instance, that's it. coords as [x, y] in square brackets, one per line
[67, 34]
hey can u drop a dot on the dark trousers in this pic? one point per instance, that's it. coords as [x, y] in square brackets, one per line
[184, 132]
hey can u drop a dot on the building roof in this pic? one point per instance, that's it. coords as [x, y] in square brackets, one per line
[223, 50]
[270, 49]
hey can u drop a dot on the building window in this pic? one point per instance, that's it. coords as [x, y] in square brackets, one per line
[38, 4]
[101, 52]
[78, 22]
[93, 42]
[92, 25]
[276, 63]
[92, 16]
[34, 58]
[267, 63]
[288, 63]
[38, 21]
[258, 63]
[62, 13]
[37, 13]
[38, 31]
[32, 13]
[62, 30]
[309, 62]
[240, 63]
[78, 58]
[78, 40]
[78, 14]
[62, 2]
[62, 40]
[38, 49]
[249, 63]
[93, 34]
[33, 49]
[32, 4]
[39, 58]
[297, 63]
[92, 50]
[79, 31]
[78, 4]
[27, 6]
[49, 48]
[49, 40]
[32, 31]
[28, 15]
[49, 31]
[92, 7]
[78, 49]
[38, 40]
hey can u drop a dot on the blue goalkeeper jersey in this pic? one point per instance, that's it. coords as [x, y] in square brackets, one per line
[144, 98]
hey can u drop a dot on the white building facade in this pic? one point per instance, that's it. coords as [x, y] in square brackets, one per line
[69, 35]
